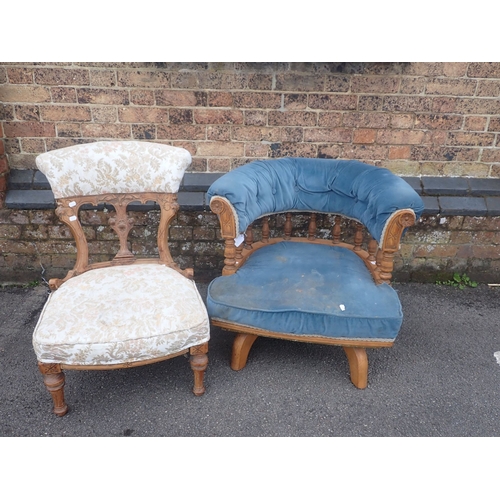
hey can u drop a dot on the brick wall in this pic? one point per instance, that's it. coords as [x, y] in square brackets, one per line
[417, 119]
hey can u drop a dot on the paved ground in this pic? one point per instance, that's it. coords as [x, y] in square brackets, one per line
[441, 378]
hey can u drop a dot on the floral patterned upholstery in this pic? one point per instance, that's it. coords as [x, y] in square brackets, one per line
[121, 314]
[114, 167]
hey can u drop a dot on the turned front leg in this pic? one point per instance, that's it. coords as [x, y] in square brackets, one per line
[53, 378]
[199, 363]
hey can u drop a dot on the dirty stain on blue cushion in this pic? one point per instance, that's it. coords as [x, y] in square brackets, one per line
[307, 289]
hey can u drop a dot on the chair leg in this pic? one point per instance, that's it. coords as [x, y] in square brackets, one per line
[241, 347]
[199, 363]
[358, 365]
[54, 379]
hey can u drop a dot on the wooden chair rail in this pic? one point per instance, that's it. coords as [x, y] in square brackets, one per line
[378, 258]
[68, 212]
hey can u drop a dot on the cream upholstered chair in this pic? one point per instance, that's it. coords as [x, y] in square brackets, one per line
[128, 311]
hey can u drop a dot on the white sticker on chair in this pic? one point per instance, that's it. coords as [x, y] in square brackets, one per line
[239, 240]
[72, 203]
[72, 218]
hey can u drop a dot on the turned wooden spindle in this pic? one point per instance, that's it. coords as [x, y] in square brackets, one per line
[312, 228]
[385, 262]
[372, 251]
[358, 237]
[265, 229]
[288, 226]
[238, 254]
[229, 257]
[336, 230]
[249, 237]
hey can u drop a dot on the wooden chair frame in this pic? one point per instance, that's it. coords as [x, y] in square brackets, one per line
[68, 212]
[378, 258]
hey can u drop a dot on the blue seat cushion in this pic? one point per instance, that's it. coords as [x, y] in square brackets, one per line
[307, 289]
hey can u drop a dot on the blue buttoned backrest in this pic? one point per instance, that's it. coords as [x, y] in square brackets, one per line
[359, 191]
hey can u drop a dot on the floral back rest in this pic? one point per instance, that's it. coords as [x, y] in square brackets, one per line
[115, 173]
[114, 167]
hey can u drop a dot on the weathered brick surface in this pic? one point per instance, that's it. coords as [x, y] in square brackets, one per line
[430, 119]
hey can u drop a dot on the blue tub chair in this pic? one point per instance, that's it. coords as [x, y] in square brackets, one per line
[296, 284]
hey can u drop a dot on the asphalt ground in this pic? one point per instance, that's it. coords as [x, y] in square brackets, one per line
[441, 378]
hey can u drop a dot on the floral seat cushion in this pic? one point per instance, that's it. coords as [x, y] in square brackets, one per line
[121, 314]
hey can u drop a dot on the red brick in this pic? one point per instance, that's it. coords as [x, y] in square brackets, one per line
[13, 93]
[329, 119]
[413, 85]
[219, 165]
[2, 147]
[142, 115]
[475, 123]
[102, 78]
[158, 79]
[332, 102]
[436, 153]
[424, 69]
[29, 129]
[455, 69]
[442, 122]
[104, 114]
[271, 134]
[259, 100]
[488, 88]
[329, 151]
[449, 86]
[256, 149]
[144, 131]
[444, 104]
[400, 137]
[328, 135]
[61, 76]
[492, 155]
[484, 70]
[220, 149]
[494, 125]
[300, 83]
[375, 84]
[20, 75]
[402, 120]
[63, 94]
[106, 130]
[65, 113]
[180, 98]
[141, 97]
[364, 152]
[292, 118]
[478, 106]
[370, 103]
[185, 132]
[217, 80]
[33, 145]
[220, 99]
[103, 96]
[399, 152]
[27, 113]
[470, 139]
[366, 120]
[69, 130]
[334, 83]
[219, 133]
[293, 149]
[215, 116]
[259, 81]
[364, 136]
[292, 134]
[258, 118]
